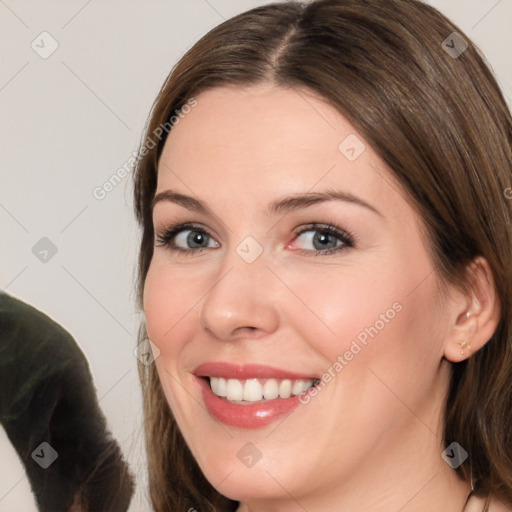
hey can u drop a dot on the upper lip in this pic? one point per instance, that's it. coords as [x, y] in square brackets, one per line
[247, 371]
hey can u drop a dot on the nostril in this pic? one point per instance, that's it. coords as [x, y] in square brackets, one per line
[243, 331]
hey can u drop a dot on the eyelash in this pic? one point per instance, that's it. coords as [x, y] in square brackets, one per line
[346, 237]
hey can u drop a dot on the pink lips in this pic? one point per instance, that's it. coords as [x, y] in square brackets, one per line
[247, 371]
[256, 415]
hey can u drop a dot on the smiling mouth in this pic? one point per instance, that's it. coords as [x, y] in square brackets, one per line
[250, 391]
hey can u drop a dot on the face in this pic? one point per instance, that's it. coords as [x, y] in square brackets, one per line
[286, 255]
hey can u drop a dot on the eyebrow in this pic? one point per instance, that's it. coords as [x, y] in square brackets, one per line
[283, 205]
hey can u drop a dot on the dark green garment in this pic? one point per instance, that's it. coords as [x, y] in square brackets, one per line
[47, 396]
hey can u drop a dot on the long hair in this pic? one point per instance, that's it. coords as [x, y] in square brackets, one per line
[432, 110]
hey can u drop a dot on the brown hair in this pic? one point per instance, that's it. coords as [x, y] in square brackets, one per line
[440, 123]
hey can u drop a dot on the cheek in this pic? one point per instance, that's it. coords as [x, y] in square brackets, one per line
[345, 305]
[376, 316]
[169, 299]
[382, 354]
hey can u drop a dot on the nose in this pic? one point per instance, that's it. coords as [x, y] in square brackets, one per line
[242, 302]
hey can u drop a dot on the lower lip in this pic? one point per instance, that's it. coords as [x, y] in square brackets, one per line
[257, 415]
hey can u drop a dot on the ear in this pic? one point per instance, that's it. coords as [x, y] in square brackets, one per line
[476, 313]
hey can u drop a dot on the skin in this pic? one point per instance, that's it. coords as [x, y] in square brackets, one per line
[372, 438]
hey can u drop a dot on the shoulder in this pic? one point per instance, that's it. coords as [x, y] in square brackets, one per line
[496, 505]
[477, 504]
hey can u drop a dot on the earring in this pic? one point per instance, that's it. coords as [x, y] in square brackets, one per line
[463, 344]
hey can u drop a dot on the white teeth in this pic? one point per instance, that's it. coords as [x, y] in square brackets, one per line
[219, 386]
[299, 386]
[222, 387]
[270, 389]
[285, 389]
[235, 390]
[214, 384]
[254, 390]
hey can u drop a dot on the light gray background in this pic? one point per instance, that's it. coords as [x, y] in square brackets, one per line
[68, 123]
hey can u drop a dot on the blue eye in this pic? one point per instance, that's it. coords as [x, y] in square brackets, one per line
[191, 238]
[186, 238]
[324, 238]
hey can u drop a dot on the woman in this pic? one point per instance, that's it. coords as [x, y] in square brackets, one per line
[325, 266]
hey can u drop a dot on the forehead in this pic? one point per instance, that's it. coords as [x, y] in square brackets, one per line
[264, 141]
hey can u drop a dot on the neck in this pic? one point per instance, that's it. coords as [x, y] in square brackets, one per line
[439, 492]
